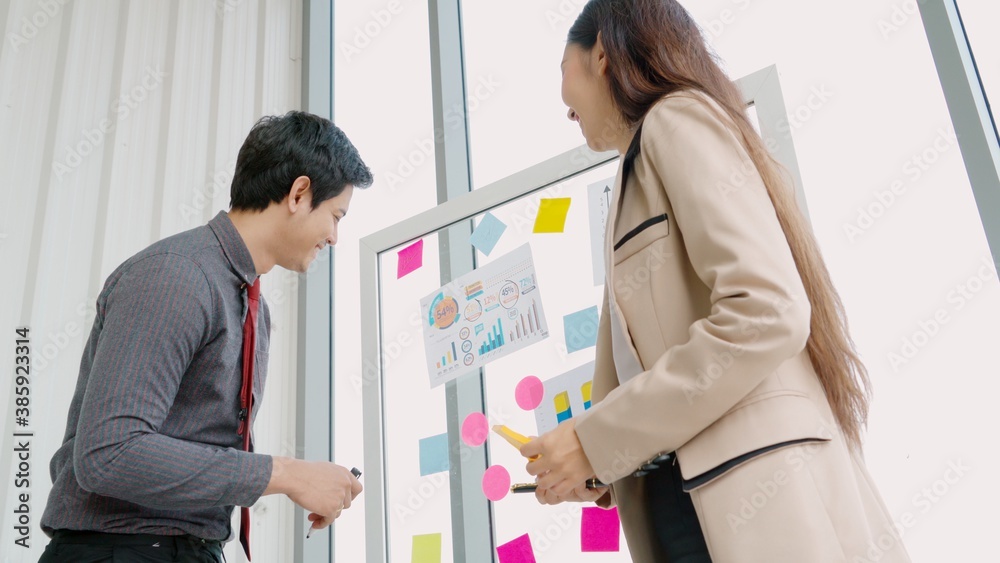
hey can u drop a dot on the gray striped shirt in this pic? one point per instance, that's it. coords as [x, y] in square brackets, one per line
[151, 444]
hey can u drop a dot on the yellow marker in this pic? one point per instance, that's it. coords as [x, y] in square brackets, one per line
[585, 390]
[513, 438]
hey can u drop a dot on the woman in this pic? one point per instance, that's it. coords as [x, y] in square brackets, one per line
[723, 347]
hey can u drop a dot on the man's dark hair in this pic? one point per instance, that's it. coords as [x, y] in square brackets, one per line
[279, 149]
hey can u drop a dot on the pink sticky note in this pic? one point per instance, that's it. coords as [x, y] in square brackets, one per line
[496, 482]
[600, 530]
[529, 393]
[475, 429]
[410, 259]
[517, 550]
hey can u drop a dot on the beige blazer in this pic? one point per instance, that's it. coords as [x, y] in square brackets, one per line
[718, 318]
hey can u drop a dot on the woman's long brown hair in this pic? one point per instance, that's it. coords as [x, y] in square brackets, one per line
[653, 48]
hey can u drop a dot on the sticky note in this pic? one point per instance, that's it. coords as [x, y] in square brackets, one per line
[552, 215]
[517, 550]
[581, 329]
[513, 438]
[496, 482]
[410, 258]
[434, 454]
[487, 233]
[426, 549]
[475, 429]
[600, 530]
[529, 393]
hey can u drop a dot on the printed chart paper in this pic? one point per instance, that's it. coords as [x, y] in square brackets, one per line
[484, 315]
[565, 396]
[599, 198]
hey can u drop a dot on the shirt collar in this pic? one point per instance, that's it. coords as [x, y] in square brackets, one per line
[233, 247]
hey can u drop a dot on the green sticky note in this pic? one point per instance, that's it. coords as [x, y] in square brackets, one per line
[552, 215]
[426, 548]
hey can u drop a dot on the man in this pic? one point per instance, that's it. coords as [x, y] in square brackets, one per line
[154, 459]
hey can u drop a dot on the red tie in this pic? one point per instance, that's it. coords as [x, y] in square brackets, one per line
[246, 394]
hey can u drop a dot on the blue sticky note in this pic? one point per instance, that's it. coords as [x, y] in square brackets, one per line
[434, 454]
[487, 233]
[581, 329]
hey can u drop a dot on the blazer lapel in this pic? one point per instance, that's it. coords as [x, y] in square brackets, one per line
[609, 268]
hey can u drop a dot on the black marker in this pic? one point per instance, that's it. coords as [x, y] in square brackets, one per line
[530, 487]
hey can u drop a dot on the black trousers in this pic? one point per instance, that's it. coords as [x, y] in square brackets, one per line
[96, 547]
[673, 520]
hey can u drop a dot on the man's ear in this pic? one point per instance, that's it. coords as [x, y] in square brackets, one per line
[300, 194]
[600, 56]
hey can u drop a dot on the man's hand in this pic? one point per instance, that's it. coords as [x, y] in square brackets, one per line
[324, 489]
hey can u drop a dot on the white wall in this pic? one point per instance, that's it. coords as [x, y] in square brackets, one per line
[177, 86]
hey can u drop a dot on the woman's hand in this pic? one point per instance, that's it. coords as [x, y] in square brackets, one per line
[561, 466]
[579, 494]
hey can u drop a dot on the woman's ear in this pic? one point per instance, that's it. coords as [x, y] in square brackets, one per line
[599, 57]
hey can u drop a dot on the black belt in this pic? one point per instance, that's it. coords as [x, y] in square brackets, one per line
[104, 538]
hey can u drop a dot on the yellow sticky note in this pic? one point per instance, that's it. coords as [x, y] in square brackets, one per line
[426, 548]
[552, 215]
[513, 438]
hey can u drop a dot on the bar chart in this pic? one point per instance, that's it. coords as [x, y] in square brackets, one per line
[494, 340]
[449, 358]
[526, 324]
